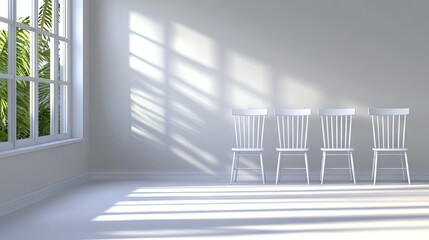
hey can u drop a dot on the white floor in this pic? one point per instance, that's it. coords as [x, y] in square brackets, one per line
[129, 210]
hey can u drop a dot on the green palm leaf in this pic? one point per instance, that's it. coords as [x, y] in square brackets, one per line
[23, 43]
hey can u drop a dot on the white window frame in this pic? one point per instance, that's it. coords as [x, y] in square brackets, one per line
[14, 145]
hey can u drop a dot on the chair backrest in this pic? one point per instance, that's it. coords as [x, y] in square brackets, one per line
[388, 127]
[337, 127]
[249, 127]
[292, 127]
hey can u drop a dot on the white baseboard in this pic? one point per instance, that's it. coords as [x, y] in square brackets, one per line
[38, 195]
[155, 176]
[179, 176]
[247, 175]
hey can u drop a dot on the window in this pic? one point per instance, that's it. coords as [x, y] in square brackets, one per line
[34, 76]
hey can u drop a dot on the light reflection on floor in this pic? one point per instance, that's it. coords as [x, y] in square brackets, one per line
[131, 210]
[255, 212]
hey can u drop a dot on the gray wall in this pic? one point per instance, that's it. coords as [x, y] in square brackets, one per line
[165, 75]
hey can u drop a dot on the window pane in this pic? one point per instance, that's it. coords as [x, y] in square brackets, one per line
[44, 109]
[44, 19]
[62, 16]
[62, 109]
[44, 57]
[4, 51]
[3, 8]
[23, 52]
[23, 106]
[24, 11]
[3, 111]
[62, 55]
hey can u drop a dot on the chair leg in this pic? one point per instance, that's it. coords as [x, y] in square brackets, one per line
[237, 162]
[408, 169]
[322, 171]
[278, 168]
[232, 168]
[375, 166]
[350, 167]
[323, 157]
[262, 168]
[402, 166]
[353, 167]
[306, 168]
[281, 164]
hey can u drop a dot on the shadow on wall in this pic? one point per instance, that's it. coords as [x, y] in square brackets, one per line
[182, 93]
[174, 95]
[186, 82]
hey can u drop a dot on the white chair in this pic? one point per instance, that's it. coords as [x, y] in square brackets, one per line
[292, 128]
[337, 129]
[249, 138]
[388, 128]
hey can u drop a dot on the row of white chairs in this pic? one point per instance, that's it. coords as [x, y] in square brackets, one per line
[388, 127]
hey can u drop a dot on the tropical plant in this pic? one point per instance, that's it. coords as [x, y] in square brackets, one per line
[3, 111]
[23, 43]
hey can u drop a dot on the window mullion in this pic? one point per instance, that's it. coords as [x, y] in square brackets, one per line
[63, 39]
[55, 17]
[68, 104]
[12, 72]
[24, 26]
[34, 93]
[34, 131]
[55, 93]
[6, 20]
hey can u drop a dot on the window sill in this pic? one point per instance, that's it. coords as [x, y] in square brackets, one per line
[38, 147]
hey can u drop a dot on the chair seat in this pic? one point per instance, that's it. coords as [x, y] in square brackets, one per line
[292, 149]
[337, 149]
[247, 149]
[390, 149]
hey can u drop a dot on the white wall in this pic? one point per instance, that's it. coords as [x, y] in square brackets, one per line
[165, 75]
[23, 174]
[26, 173]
